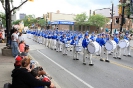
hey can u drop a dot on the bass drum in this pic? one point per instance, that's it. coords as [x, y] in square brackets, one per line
[123, 43]
[110, 45]
[131, 43]
[93, 47]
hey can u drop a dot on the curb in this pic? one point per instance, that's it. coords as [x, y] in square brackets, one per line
[52, 80]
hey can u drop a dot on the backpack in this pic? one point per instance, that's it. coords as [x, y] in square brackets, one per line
[7, 85]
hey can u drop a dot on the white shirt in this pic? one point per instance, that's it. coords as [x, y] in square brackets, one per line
[15, 37]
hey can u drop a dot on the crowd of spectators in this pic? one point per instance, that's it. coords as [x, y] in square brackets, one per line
[26, 74]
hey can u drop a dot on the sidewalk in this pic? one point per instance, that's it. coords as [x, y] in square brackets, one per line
[6, 67]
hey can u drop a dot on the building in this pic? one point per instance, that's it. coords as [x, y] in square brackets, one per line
[116, 18]
[22, 16]
[60, 20]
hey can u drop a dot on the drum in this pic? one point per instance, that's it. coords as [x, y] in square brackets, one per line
[78, 48]
[131, 43]
[123, 43]
[93, 47]
[110, 45]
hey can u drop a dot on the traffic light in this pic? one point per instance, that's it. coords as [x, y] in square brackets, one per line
[31, 0]
[120, 10]
[117, 20]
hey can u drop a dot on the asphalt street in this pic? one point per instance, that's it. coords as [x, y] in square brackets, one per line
[69, 73]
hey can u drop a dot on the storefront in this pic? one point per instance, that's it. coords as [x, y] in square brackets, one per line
[62, 25]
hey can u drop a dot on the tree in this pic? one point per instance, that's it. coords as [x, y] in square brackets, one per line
[98, 20]
[42, 22]
[29, 20]
[81, 19]
[10, 9]
[3, 17]
[16, 22]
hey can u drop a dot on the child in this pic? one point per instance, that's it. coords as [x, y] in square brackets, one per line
[21, 46]
[17, 63]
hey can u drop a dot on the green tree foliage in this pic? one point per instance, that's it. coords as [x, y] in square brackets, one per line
[81, 19]
[98, 20]
[3, 17]
[16, 22]
[42, 22]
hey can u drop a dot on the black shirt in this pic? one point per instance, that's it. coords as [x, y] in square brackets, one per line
[21, 78]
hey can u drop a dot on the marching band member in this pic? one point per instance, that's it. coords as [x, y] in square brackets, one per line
[75, 43]
[49, 40]
[58, 43]
[102, 43]
[44, 39]
[117, 51]
[85, 43]
[64, 45]
[125, 49]
[129, 47]
[54, 41]
[98, 41]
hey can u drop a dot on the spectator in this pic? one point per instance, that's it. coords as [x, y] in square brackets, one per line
[26, 50]
[17, 63]
[22, 46]
[22, 78]
[35, 73]
[14, 44]
[1, 37]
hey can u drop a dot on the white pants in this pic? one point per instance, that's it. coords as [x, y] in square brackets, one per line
[43, 40]
[117, 52]
[53, 44]
[64, 49]
[86, 52]
[58, 46]
[75, 53]
[127, 50]
[49, 43]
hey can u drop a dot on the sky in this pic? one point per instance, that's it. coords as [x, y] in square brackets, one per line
[40, 7]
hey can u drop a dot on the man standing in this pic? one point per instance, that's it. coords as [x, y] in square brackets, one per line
[14, 44]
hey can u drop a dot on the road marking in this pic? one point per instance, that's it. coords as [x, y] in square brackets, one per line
[118, 64]
[121, 65]
[88, 85]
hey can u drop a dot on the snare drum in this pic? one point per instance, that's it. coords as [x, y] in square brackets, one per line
[93, 47]
[110, 45]
[78, 48]
[123, 43]
[131, 43]
[67, 45]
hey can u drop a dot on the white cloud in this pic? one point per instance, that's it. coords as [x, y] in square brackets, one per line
[39, 7]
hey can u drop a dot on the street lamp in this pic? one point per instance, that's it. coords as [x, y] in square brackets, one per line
[112, 14]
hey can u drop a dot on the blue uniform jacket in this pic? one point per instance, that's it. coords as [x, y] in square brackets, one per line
[74, 42]
[116, 40]
[85, 43]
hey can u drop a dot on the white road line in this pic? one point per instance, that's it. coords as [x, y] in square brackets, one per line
[88, 85]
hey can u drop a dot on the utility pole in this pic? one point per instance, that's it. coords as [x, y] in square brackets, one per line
[112, 13]
[122, 16]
